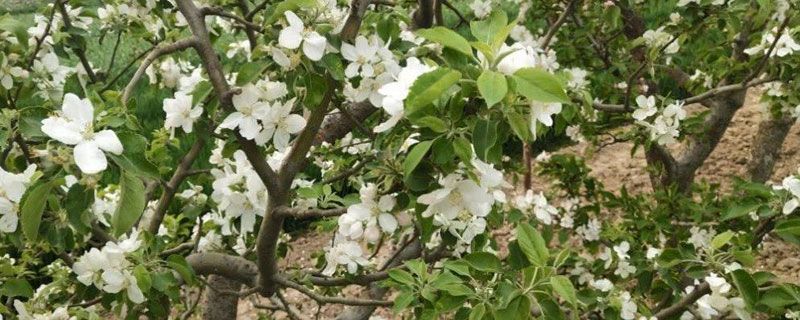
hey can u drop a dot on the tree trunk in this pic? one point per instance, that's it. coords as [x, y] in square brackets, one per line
[767, 146]
[217, 305]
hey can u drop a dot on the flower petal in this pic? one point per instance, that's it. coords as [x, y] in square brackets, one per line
[107, 141]
[78, 110]
[89, 158]
[295, 123]
[64, 131]
[314, 46]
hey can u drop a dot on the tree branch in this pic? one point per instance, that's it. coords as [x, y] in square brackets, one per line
[673, 310]
[351, 171]
[325, 299]
[310, 213]
[172, 186]
[228, 266]
[551, 32]
[78, 50]
[217, 11]
[152, 56]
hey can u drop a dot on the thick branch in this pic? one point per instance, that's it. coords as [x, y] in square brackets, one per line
[338, 125]
[152, 56]
[310, 213]
[228, 266]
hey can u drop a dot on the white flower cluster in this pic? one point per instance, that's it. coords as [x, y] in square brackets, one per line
[367, 221]
[657, 39]
[538, 205]
[791, 185]
[664, 127]
[374, 63]
[624, 268]
[394, 93]
[461, 205]
[257, 119]
[296, 33]
[105, 204]
[786, 45]
[59, 313]
[481, 8]
[108, 269]
[238, 192]
[74, 125]
[130, 12]
[719, 302]
[12, 187]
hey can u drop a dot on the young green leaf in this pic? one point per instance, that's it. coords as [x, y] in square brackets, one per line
[539, 85]
[492, 86]
[447, 38]
[564, 288]
[427, 88]
[414, 156]
[484, 261]
[532, 244]
[32, 209]
[131, 203]
[746, 285]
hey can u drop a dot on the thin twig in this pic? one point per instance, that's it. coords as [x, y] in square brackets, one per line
[78, 50]
[545, 43]
[350, 171]
[114, 53]
[152, 56]
[325, 299]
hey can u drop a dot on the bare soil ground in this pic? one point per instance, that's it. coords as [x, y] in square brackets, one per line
[615, 168]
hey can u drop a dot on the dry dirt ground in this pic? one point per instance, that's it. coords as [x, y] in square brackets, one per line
[614, 166]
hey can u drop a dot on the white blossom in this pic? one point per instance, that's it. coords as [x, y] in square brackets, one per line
[297, 33]
[75, 126]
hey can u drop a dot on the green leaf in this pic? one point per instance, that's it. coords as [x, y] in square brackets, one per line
[316, 89]
[738, 210]
[289, 5]
[788, 227]
[434, 123]
[333, 64]
[179, 264]
[492, 86]
[477, 312]
[403, 301]
[532, 244]
[539, 85]
[489, 29]
[551, 311]
[463, 149]
[32, 209]
[721, 239]
[746, 285]
[427, 88]
[143, 278]
[484, 261]
[669, 257]
[484, 135]
[447, 38]
[249, 72]
[133, 157]
[131, 203]
[519, 125]
[564, 288]
[17, 27]
[401, 276]
[16, 287]
[416, 155]
[79, 199]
